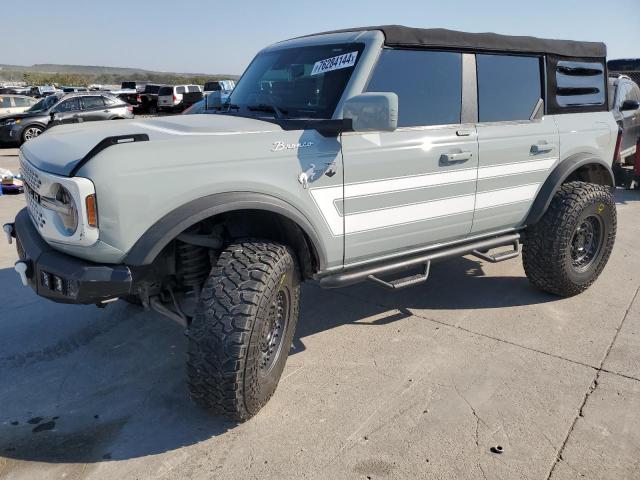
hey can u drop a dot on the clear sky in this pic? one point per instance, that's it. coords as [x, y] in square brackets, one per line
[222, 36]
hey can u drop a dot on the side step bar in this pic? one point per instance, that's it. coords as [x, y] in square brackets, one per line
[409, 281]
[372, 272]
[499, 257]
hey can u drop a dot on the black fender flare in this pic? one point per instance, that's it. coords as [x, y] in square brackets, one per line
[558, 176]
[158, 236]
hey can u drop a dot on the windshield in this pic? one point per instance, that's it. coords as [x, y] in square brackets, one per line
[45, 104]
[304, 82]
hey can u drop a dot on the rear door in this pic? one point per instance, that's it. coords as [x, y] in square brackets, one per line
[93, 108]
[519, 145]
[415, 186]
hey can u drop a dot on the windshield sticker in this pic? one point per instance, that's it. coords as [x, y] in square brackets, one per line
[335, 63]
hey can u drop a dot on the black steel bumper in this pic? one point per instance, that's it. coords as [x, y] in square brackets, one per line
[63, 278]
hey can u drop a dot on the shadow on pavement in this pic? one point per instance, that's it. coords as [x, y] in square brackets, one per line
[122, 393]
[625, 196]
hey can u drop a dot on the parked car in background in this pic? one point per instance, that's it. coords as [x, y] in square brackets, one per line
[626, 66]
[10, 104]
[219, 86]
[144, 102]
[137, 86]
[74, 89]
[196, 108]
[178, 97]
[59, 109]
[42, 91]
[15, 90]
[624, 102]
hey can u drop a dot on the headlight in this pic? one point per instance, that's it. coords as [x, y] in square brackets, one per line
[11, 121]
[65, 209]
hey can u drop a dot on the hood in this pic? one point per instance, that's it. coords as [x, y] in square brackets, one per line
[61, 148]
[43, 114]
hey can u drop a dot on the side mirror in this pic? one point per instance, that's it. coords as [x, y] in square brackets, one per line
[629, 105]
[371, 112]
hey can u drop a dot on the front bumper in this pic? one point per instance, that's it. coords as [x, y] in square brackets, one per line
[8, 134]
[63, 278]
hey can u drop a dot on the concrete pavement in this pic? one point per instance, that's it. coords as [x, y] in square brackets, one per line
[417, 384]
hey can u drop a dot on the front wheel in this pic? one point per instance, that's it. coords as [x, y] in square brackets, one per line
[30, 132]
[243, 328]
[565, 252]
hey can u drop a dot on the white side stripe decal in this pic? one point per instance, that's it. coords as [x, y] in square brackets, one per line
[327, 197]
[408, 183]
[389, 217]
[515, 168]
[505, 196]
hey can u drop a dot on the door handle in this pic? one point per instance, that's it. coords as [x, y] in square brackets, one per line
[539, 148]
[465, 132]
[455, 157]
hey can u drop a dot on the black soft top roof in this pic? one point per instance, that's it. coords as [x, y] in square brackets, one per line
[400, 36]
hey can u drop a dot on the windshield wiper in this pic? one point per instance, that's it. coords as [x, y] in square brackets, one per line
[263, 107]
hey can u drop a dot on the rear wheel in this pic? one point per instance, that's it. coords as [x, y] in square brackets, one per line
[30, 132]
[242, 331]
[565, 252]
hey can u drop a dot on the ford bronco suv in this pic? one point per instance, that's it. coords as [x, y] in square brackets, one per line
[348, 156]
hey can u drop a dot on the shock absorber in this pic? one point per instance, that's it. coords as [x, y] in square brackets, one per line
[192, 265]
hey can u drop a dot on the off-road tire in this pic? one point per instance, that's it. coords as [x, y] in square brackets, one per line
[550, 243]
[239, 301]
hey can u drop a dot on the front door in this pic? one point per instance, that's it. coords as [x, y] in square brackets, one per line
[519, 145]
[407, 189]
[67, 111]
[628, 90]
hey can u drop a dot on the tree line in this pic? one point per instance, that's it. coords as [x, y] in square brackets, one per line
[82, 80]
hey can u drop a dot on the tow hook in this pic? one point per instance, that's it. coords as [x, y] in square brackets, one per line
[22, 267]
[9, 232]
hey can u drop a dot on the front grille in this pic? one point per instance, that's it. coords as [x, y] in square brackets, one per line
[35, 210]
[33, 183]
[30, 175]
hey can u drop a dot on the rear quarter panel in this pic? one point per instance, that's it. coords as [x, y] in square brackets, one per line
[594, 133]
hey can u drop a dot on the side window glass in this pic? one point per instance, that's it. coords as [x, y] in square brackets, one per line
[180, 90]
[428, 85]
[21, 102]
[579, 83]
[624, 91]
[509, 87]
[92, 103]
[5, 102]
[71, 105]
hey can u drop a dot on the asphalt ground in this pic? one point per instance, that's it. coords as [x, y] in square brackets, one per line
[417, 384]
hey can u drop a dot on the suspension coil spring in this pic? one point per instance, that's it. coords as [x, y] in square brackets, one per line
[193, 265]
